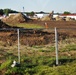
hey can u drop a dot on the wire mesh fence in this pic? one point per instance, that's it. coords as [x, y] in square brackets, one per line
[19, 44]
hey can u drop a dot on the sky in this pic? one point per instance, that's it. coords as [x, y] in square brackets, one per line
[40, 5]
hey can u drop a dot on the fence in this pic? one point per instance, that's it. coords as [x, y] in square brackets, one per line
[18, 43]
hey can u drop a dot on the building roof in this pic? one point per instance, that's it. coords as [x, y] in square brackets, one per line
[68, 15]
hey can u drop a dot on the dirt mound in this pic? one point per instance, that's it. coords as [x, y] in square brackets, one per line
[3, 25]
[29, 38]
[17, 18]
[58, 18]
[69, 19]
[46, 18]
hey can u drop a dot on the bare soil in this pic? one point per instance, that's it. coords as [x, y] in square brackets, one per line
[57, 24]
[41, 36]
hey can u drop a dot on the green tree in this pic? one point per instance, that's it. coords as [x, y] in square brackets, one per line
[32, 13]
[6, 11]
[66, 12]
[1, 12]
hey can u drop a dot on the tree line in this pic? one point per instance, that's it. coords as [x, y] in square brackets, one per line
[7, 11]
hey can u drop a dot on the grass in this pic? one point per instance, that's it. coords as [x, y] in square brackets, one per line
[69, 48]
[27, 25]
[68, 44]
[5, 64]
[42, 66]
[38, 60]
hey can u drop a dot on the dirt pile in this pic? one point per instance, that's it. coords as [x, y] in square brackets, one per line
[69, 19]
[3, 25]
[59, 18]
[46, 18]
[17, 18]
[29, 38]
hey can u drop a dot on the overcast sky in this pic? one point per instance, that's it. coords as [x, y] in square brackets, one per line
[39, 5]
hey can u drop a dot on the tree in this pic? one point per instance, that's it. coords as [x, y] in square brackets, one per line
[6, 11]
[66, 12]
[41, 12]
[30, 13]
[1, 12]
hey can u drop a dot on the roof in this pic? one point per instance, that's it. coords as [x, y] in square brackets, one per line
[68, 15]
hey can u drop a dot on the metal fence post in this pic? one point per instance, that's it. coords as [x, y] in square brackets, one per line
[56, 46]
[18, 47]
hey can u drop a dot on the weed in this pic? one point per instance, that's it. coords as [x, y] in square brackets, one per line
[5, 65]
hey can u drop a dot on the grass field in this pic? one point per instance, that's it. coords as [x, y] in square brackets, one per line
[39, 60]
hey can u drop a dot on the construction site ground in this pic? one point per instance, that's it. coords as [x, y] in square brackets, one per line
[65, 29]
[38, 37]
